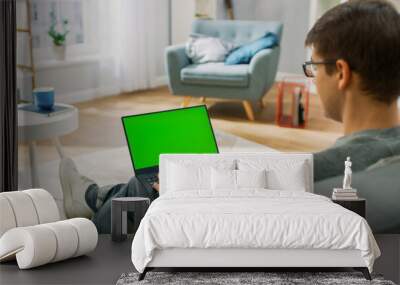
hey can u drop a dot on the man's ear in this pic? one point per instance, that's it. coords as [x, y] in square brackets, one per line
[343, 74]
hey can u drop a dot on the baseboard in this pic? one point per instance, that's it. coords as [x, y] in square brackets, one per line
[107, 91]
[87, 94]
[159, 81]
[77, 96]
[93, 93]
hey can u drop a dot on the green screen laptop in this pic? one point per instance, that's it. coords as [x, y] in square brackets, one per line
[184, 130]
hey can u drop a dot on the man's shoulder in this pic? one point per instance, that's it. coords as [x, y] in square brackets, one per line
[370, 136]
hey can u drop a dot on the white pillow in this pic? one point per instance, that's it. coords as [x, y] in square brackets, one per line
[282, 174]
[223, 179]
[227, 179]
[181, 177]
[202, 49]
[187, 175]
[251, 178]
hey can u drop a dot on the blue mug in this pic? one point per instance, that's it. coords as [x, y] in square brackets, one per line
[43, 98]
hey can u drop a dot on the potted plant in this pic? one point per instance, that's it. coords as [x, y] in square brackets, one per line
[58, 37]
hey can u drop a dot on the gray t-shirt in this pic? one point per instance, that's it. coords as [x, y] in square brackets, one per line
[365, 148]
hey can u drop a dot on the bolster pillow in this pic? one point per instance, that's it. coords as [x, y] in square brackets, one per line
[26, 208]
[40, 244]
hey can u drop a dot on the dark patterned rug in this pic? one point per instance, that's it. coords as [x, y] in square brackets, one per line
[243, 278]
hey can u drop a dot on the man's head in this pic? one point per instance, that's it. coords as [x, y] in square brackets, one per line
[358, 46]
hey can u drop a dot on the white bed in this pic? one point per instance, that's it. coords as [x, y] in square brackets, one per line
[197, 222]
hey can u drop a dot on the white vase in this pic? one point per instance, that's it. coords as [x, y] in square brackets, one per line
[59, 52]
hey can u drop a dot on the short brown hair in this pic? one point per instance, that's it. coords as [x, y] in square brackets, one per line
[366, 34]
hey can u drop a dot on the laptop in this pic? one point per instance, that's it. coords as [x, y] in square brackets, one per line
[183, 130]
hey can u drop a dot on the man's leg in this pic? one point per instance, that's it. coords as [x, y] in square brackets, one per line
[134, 188]
[74, 187]
[95, 195]
[84, 198]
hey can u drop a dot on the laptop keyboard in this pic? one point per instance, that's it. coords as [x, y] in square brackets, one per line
[151, 179]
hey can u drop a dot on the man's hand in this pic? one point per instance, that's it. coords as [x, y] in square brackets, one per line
[156, 186]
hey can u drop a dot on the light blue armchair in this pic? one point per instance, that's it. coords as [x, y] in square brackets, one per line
[245, 82]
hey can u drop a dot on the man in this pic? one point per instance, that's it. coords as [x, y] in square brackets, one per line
[356, 67]
[355, 64]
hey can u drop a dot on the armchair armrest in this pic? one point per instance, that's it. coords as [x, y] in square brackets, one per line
[176, 55]
[263, 67]
[175, 60]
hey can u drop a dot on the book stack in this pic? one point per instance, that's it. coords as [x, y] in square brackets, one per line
[344, 194]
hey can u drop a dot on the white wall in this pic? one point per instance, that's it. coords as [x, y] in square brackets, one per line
[76, 78]
[293, 14]
[161, 41]
[182, 16]
[183, 13]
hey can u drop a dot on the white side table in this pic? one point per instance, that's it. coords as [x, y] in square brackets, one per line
[33, 127]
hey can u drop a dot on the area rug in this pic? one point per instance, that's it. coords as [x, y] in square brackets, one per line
[114, 165]
[243, 278]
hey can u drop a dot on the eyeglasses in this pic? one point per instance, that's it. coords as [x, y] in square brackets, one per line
[310, 67]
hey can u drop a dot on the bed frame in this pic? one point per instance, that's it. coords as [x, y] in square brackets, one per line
[242, 259]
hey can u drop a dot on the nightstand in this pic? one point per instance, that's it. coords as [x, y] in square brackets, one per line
[358, 206]
[119, 208]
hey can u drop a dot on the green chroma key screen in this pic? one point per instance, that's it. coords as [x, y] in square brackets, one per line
[185, 130]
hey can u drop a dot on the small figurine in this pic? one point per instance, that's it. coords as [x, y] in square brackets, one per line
[347, 174]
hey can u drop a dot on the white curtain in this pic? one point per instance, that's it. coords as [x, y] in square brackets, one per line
[132, 36]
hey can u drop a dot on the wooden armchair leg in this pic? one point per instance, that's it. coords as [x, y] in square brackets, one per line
[249, 110]
[186, 101]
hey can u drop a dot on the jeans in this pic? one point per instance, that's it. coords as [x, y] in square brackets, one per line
[102, 210]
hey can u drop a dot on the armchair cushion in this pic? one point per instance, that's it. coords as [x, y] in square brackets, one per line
[216, 74]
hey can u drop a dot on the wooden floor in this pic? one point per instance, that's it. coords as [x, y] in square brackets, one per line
[110, 259]
[100, 123]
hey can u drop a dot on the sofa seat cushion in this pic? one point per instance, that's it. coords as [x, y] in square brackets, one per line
[216, 74]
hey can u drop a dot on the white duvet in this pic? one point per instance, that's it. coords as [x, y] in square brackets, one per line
[253, 218]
